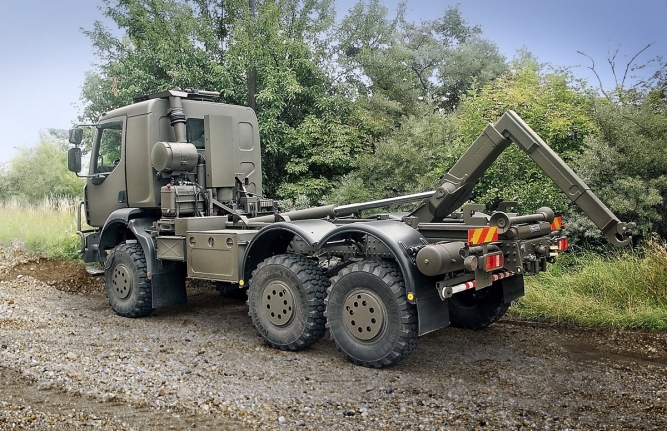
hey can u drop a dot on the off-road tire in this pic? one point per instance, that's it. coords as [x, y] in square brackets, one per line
[286, 301]
[473, 309]
[127, 286]
[386, 330]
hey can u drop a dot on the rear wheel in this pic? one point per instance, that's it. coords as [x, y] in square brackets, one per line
[127, 286]
[286, 301]
[477, 309]
[369, 317]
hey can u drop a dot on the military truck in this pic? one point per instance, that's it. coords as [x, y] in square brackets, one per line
[174, 191]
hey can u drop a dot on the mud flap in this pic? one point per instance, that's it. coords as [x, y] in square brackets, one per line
[168, 284]
[513, 288]
[167, 278]
[433, 314]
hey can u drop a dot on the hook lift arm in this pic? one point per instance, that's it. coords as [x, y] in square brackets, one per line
[458, 183]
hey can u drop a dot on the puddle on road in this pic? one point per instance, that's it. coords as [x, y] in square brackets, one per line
[580, 351]
[19, 390]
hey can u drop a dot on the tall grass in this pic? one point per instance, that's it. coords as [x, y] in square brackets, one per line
[47, 227]
[627, 290]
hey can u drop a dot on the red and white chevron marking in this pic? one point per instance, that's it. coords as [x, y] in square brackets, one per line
[472, 284]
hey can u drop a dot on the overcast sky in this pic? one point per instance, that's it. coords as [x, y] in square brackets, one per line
[43, 54]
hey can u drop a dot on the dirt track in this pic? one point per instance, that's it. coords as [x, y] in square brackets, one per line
[68, 362]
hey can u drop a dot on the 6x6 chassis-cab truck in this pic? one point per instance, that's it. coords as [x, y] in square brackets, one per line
[174, 191]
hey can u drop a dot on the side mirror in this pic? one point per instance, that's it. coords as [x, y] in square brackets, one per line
[75, 136]
[74, 156]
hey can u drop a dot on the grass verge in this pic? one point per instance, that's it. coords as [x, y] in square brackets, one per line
[48, 227]
[625, 290]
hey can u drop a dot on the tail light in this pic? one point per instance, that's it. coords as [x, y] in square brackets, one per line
[563, 243]
[493, 261]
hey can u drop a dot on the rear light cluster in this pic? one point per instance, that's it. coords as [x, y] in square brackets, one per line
[493, 261]
[562, 243]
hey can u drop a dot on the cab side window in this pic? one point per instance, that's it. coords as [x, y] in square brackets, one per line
[110, 139]
[195, 132]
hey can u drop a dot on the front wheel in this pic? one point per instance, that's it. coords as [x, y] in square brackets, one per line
[127, 285]
[286, 301]
[369, 317]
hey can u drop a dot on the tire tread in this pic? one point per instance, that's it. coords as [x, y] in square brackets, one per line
[391, 275]
[315, 285]
[143, 306]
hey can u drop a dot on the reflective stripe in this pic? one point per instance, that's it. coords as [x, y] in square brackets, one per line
[472, 284]
[557, 223]
[482, 235]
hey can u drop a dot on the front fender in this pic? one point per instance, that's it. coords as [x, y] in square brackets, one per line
[167, 278]
[114, 229]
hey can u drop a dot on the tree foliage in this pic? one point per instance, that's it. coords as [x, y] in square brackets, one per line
[626, 165]
[211, 45]
[41, 171]
[552, 107]
[408, 161]
[410, 63]
[547, 102]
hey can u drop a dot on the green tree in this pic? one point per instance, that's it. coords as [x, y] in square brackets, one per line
[408, 161]
[626, 164]
[555, 108]
[427, 145]
[310, 134]
[41, 171]
[413, 63]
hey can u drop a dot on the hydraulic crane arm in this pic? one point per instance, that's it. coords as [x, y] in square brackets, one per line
[458, 183]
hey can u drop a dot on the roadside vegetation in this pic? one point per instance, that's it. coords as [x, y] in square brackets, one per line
[370, 105]
[46, 227]
[625, 289]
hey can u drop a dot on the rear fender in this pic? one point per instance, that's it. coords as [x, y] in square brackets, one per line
[433, 313]
[276, 238]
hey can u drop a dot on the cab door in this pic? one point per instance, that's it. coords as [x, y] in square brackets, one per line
[106, 189]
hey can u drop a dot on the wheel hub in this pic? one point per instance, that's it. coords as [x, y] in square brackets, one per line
[122, 281]
[278, 303]
[363, 314]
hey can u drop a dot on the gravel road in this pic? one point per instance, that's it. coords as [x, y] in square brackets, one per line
[68, 362]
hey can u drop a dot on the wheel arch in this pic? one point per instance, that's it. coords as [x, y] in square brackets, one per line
[117, 226]
[433, 313]
[396, 236]
[275, 238]
[167, 278]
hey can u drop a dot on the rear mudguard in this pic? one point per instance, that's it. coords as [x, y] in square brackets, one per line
[433, 313]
